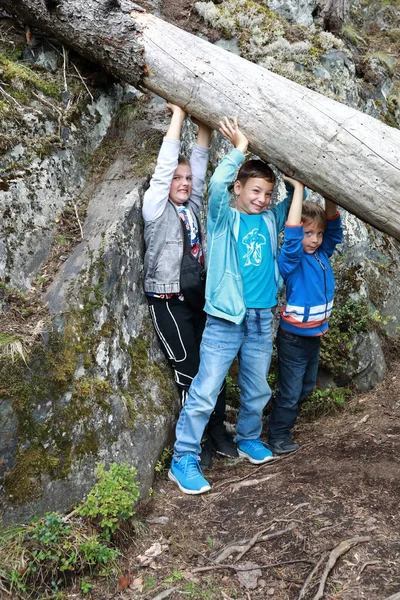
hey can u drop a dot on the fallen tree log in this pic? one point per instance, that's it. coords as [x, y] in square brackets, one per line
[336, 150]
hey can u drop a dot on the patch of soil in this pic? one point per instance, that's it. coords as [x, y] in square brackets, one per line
[183, 14]
[342, 484]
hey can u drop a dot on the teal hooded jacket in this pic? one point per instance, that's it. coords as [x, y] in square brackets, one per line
[224, 288]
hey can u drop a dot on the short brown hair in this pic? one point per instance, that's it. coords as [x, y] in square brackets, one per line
[312, 211]
[255, 168]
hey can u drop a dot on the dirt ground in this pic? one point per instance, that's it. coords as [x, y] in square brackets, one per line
[283, 520]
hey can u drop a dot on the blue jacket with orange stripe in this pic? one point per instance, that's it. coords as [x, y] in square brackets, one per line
[309, 280]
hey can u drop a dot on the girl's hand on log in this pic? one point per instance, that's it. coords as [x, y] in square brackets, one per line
[175, 126]
[232, 132]
[176, 110]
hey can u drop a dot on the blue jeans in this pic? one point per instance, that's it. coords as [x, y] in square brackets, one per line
[221, 342]
[297, 373]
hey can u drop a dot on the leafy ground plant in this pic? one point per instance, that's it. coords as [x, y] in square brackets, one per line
[324, 402]
[164, 461]
[112, 500]
[41, 558]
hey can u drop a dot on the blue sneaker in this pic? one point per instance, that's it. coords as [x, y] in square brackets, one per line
[255, 451]
[187, 473]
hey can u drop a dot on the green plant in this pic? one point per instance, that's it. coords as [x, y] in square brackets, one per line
[149, 582]
[232, 391]
[175, 576]
[324, 402]
[86, 586]
[162, 465]
[38, 559]
[348, 319]
[111, 501]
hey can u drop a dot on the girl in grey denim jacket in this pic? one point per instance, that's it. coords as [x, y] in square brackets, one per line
[175, 195]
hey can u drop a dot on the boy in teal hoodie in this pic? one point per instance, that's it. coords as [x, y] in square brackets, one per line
[242, 283]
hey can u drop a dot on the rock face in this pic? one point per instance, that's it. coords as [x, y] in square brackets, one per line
[95, 386]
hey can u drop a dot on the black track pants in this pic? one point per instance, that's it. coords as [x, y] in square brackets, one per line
[179, 329]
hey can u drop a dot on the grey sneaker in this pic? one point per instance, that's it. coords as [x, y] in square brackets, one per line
[285, 446]
[222, 443]
[206, 454]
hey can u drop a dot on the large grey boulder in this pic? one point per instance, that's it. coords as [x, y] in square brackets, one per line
[96, 387]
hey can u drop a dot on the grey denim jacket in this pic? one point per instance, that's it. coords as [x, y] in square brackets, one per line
[162, 224]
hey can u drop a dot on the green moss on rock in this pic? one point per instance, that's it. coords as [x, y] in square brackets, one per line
[22, 77]
[142, 374]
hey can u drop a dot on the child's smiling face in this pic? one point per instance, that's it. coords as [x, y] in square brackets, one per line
[313, 236]
[181, 186]
[253, 196]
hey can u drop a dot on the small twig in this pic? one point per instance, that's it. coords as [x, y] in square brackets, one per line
[251, 482]
[69, 515]
[336, 553]
[272, 463]
[365, 565]
[310, 576]
[164, 594]
[2, 90]
[394, 597]
[78, 219]
[201, 554]
[297, 508]
[238, 568]
[4, 589]
[84, 83]
[288, 521]
[271, 536]
[50, 105]
[65, 55]
[47, 103]
[242, 547]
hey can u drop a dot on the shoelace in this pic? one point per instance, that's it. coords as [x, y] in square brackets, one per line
[256, 443]
[191, 466]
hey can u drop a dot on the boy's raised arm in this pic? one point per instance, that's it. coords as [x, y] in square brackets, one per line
[232, 132]
[198, 163]
[333, 234]
[157, 195]
[294, 216]
[225, 172]
[292, 249]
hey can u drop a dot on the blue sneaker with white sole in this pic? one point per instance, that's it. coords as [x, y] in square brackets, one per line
[255, 451]
[187, 473]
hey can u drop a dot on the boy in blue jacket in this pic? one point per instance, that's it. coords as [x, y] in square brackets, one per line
[311, 235]
[241, 290]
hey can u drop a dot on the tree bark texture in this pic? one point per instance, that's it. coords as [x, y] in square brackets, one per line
[336, 150]
[332, 14]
